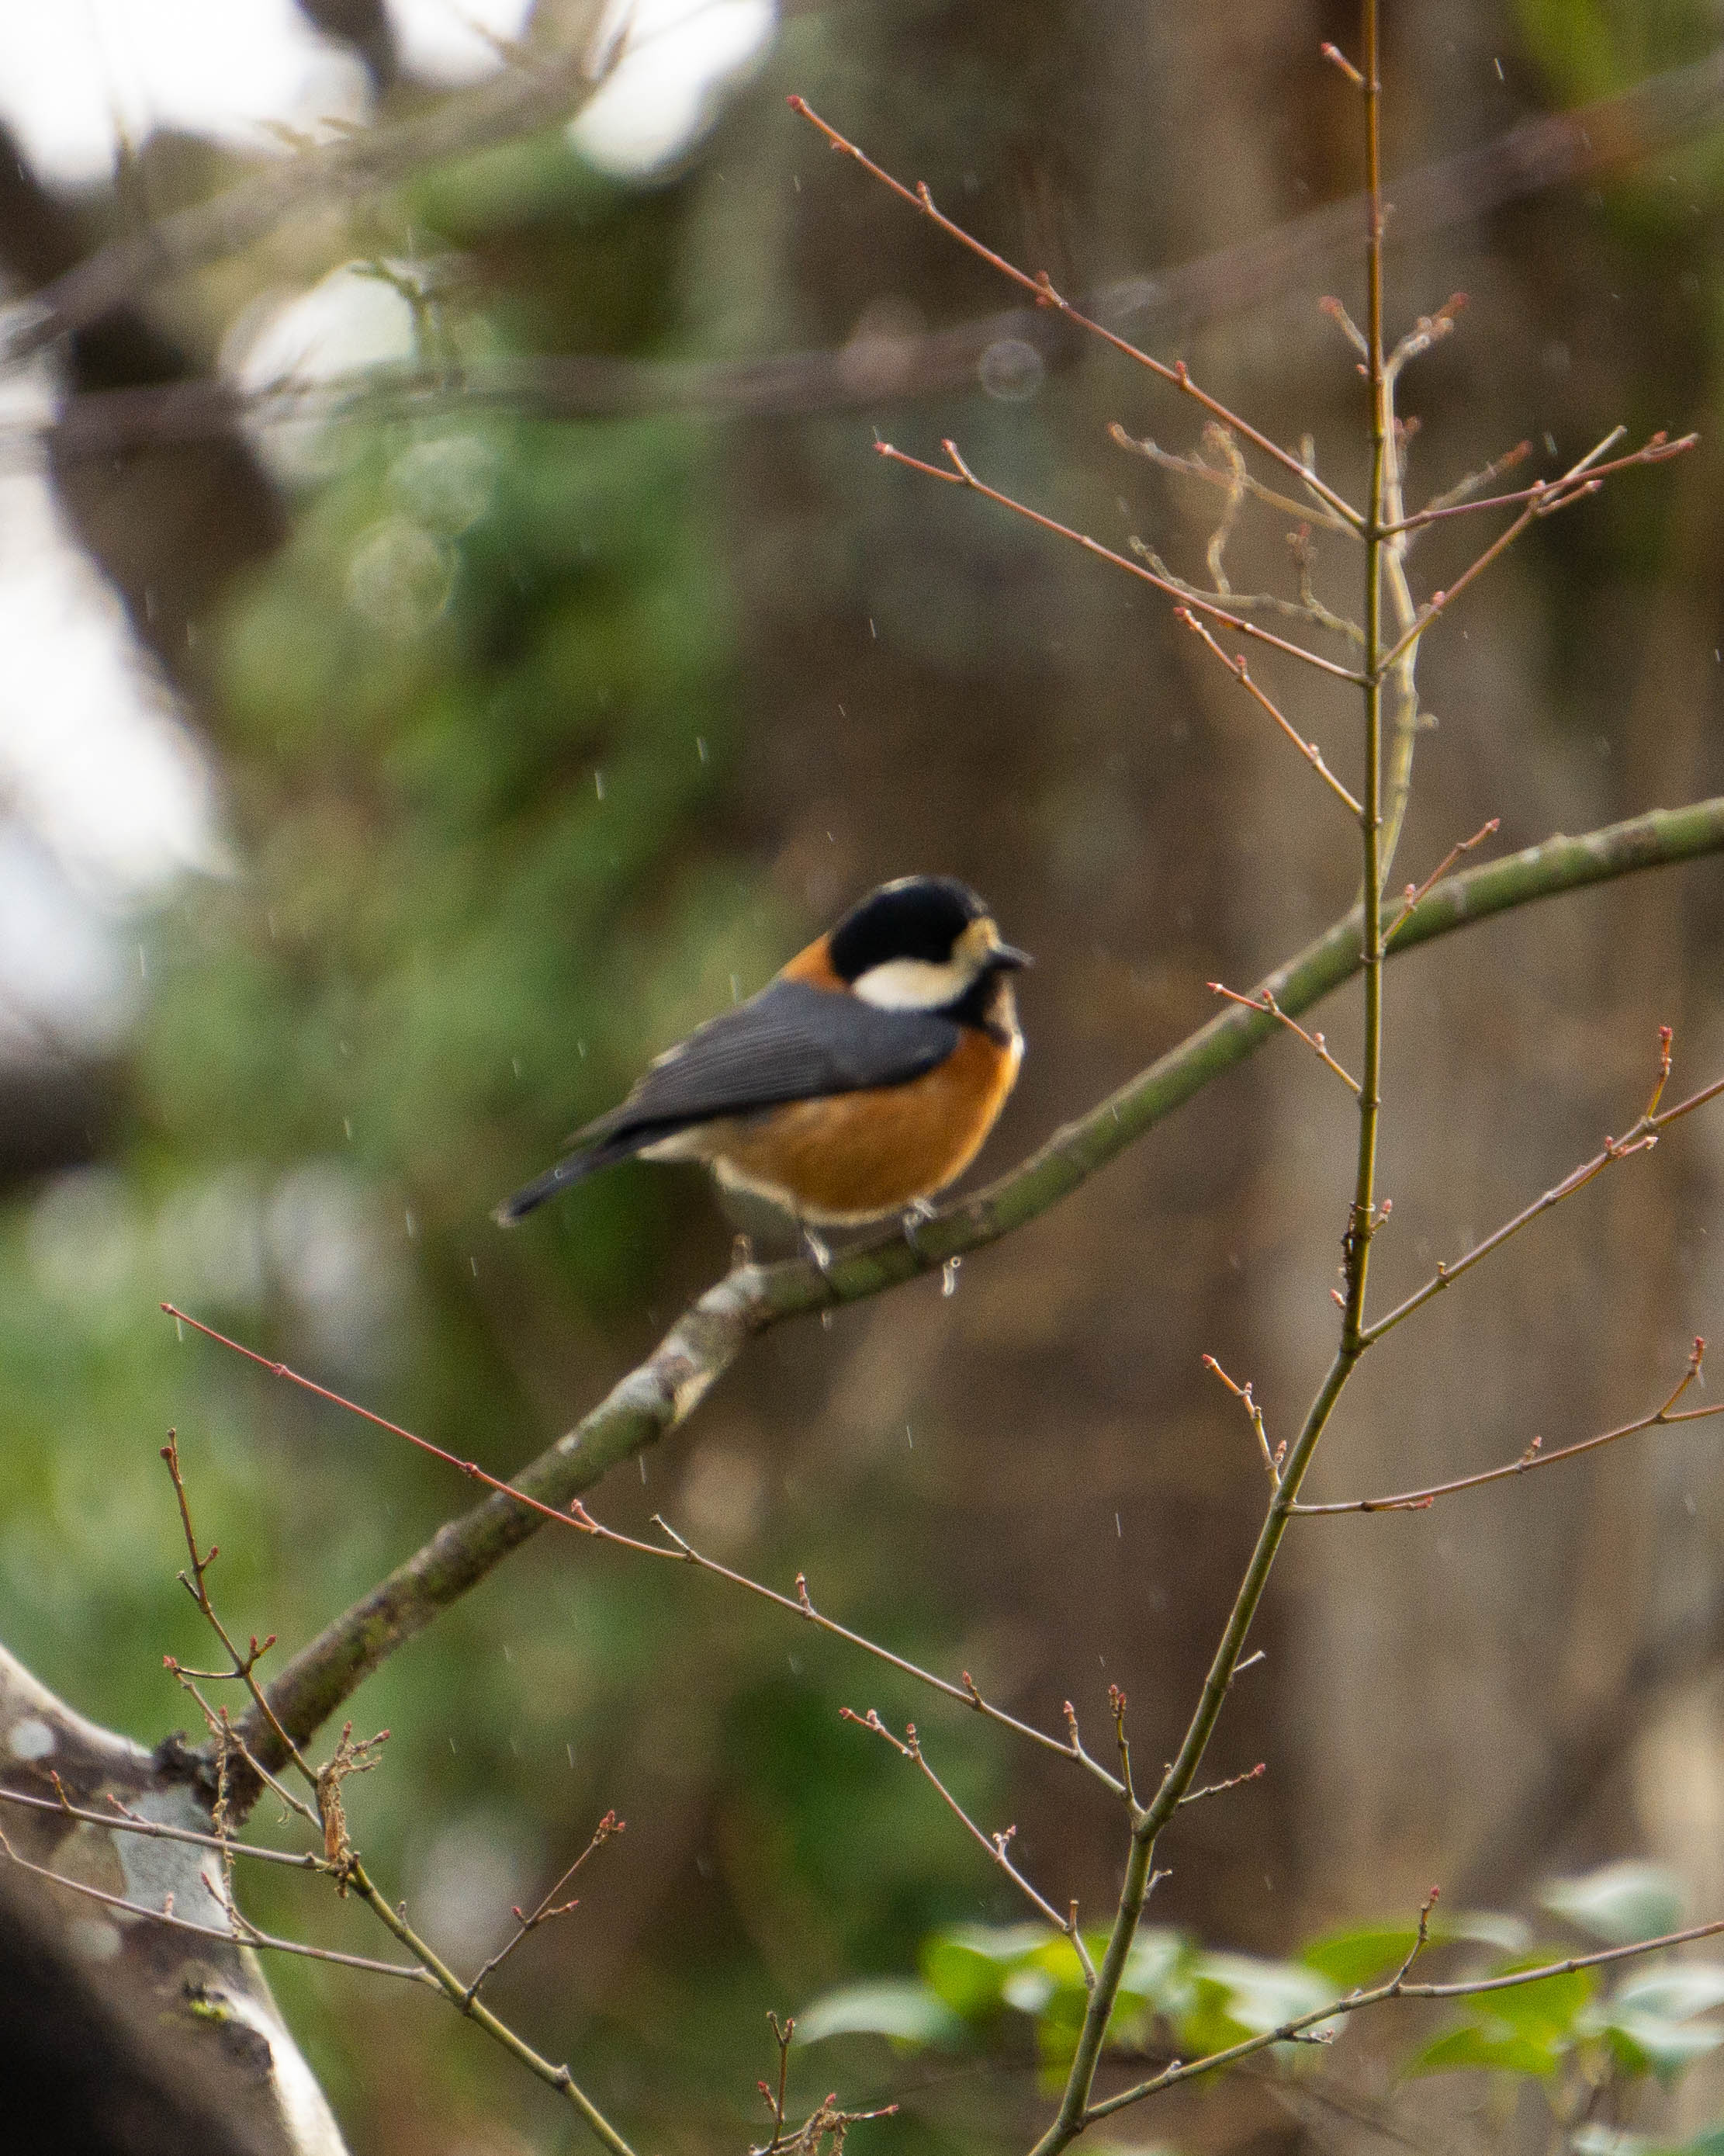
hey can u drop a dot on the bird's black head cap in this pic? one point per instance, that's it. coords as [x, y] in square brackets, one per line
[916, 917]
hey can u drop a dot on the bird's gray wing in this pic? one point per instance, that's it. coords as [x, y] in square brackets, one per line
[792, 1042]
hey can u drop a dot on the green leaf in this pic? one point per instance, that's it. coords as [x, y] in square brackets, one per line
[1548, 2008]
[1354, 1958]
[907, 2012]
[967, 1966]
[1472, 2046]
[1620, 1903]
[1524, 2029]
[1158, 1971]
[1234, 1996]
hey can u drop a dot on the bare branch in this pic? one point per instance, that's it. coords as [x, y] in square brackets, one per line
[517, 102]
[1265, 1001]
[549, 1908]
[1042, 290]
[1641, 1136]
[966, 1693]
[247, 1934]
[1662, 1417]
[998, 1845]
[961, 476]
[1395, 1987]
[122, 1820]
[1544, 498]
[1193, 467]
[1309, 750]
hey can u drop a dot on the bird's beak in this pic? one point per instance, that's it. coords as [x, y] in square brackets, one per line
[1006, 958]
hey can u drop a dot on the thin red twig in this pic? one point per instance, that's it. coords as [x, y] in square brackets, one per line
[683, 1551]
[469, 1468]
[1544, 498]
[122, 1821]
[579, 1517]
[1641, 1136]
[1041, 290]
[1267, 1004]
[963, 476]
[1243, 1395]
[1655, 452]
[1236, 666]
[549, 1908]
[1419, 1500]
[998, 1845]
[1416, 894]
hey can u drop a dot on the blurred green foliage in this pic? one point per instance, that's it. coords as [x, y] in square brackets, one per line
[1582, 2036]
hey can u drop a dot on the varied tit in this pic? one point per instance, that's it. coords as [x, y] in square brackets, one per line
[860, 1080]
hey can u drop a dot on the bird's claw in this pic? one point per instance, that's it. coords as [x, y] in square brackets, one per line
[916, 1216]
[816, 1251]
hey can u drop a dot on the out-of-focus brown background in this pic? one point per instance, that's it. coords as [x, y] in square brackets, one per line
[530, 739]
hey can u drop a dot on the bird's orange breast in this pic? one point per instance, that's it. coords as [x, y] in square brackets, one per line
[855, 1156]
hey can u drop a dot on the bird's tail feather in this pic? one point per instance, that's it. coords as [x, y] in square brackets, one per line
[572, 1168]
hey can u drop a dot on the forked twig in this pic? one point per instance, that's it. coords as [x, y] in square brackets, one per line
[1641, 1136]
[961, 476]
[1193, 467]
[1314, 1041]
[342, 1860]
[1544, 498]
[1663, 1416]
[998, 1845]
[1397, 1987]
[1306, 607]
[966, 1693]
[1656, 451]
[549, 1908]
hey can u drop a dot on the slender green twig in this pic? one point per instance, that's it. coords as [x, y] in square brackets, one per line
[1074, 2112]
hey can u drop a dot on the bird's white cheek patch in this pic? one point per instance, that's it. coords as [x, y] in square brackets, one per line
[914, 984]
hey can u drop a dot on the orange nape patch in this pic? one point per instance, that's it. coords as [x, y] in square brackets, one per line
[814, 964]
[852, 1156]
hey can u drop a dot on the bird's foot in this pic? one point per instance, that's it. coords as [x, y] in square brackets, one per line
[815, 1251]
[915, 1217]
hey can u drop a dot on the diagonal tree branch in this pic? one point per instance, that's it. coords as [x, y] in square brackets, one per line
[653, 1398]
[1552, 150]
[519, 101]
